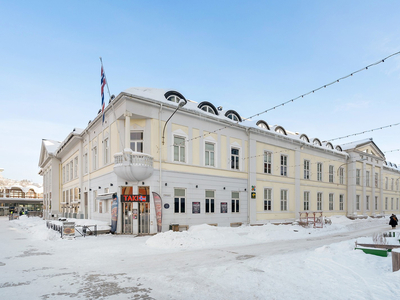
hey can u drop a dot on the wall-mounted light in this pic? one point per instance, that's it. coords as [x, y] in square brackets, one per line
[224, 187]
[143, 182]
[180, 104]
[90, 189]
[197, 186]
[126, 183]
[99, 187]
[111, 184]
[166, 184]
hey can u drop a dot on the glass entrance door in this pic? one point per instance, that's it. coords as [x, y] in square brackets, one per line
[144, 218]
[127, 218]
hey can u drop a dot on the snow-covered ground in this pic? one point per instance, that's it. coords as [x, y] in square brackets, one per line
[249, 262]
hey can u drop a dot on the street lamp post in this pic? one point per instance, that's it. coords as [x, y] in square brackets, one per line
[181, 103]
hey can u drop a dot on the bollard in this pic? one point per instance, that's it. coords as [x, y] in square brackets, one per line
[395, 260]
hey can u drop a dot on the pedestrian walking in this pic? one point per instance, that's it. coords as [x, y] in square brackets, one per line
[393, 221]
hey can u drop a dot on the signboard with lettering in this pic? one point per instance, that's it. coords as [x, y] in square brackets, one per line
[135, 198]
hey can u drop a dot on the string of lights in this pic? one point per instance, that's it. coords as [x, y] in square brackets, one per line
[391, 151]
[365, 131]
[303, 95]
[325, 85]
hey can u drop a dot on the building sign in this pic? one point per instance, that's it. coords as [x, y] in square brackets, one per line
[135, 198]
[68, 230]
[158, 206]
[253, 195]
[224, 207]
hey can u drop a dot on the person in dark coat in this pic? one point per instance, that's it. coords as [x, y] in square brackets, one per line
[393, 221]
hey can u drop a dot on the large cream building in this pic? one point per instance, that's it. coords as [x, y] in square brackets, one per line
[206, 165]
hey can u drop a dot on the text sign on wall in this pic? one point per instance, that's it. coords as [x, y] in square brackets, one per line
[134, 198]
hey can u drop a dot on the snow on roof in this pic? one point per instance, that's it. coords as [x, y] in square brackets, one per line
[51, 146]
[355, 144]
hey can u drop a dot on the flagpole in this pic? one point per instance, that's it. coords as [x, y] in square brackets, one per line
[105, 77]
[112, 105]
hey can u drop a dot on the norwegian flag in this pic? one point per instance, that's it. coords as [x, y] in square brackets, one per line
[103, 83]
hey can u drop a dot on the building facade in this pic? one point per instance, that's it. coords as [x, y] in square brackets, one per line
[176, 162]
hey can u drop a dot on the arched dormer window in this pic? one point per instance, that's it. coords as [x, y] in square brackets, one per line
[317, 142]
[208, 107]
[305, 138]
[338, 148]
[329, 145]
[174, 96]
[262, 124]
[281, 130]
[233, 115]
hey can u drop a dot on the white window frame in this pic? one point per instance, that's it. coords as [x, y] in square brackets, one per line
[306, 200]
[376, 180]
[135, 141]
[180, 205]
[284, 163]
[319, 201]
[366, 202]
[358, 176]
[235, 202]
[209, 202]
[306, 169]
[235, 159]
[376, 202]
[267, 199]
[341, 175]
[367, 175]
[267, 162]
[210, 154]
[331, 201]
[284, 200]
[106, 145]
[179, 149]
[319, 171]
[341, 202]
[94, 158]
[357, 202]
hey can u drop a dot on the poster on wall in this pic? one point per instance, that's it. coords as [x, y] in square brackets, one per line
[158, 206]
[114, 213]
[224, 207]
[195, 207]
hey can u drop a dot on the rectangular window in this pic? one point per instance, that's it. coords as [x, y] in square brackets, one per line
[331, 173]
[94, 201]
[179, 200]
[63, 175]
[397, 203]
[209, 159]
[330, 201]
[67, 173]
[100, 207]
[367, 178]
[94, 158]
[306, 169]
[392, 184]
[306, 202]
[376, 180]
[357, 202]
[358, 174]
[367, 202]
[71, 169]
[136, 142]
[283, 165]
[341, 175]
[397, 185]
[391, 204]
[235, 159]
[268, 199]
[341, 202]
[376, 202]
[386, 183]
[210, 201]
[267, 162]
[386, 203]
[106, 151]
[284, 200]
[85, 161]
[76, 167]
[179, 149]
[319, 201]
[319, 171]
[235, 202]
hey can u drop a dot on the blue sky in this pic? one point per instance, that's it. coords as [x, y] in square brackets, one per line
[243, 55]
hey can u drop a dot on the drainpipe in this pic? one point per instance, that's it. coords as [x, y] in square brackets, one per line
[248, 177]
[159, 144]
